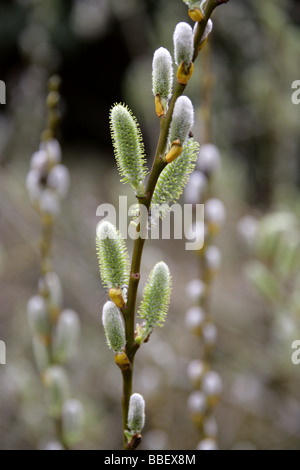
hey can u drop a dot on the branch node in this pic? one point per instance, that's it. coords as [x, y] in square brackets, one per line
[135, 276]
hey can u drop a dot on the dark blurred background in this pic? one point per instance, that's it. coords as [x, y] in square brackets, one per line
[103, 49]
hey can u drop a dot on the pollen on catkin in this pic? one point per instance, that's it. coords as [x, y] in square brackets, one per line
[112, 255]
[128, 146]
[156, 298]
[175, 176]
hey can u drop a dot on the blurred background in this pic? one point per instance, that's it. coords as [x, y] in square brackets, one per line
[103, 49]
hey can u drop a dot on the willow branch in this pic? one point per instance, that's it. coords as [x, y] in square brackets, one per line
[157, 167]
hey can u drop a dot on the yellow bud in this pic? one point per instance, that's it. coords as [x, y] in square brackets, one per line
[47, 219]
[117, 297]
[45, 339]
[53, 118]
[46, 135]
[54, 83]
[184, 73]
[54, 314]
[174, 152]
[213, 228]
[159, 106]
[198, 419]
[52, 99]
[212, 401]
[196, 14]
[202, 44]
[208, 349]
[122, 361]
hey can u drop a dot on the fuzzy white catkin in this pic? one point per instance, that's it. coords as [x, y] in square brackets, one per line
[214, 212]
[247, 229]
[53, 149]
[37, 315]
[113, 326]
[39, 161]
[207, 444]
[182, 119]
[195, 371]
[49, 203]
[162, 73]
[197, 231]
[57, 386]
[212, 384]
[213, 258]
[41, 354]
[136, 413]
[54, 287]
[183, 43]
[210, 427]
[66, 335]
[59, 180]
[209, 160]
[72, 421]
[208, 29]
[195, 188]
[33, 185]
[195, 290]
[197, 402]
[210, 334]
[53, 445]
[194, 318]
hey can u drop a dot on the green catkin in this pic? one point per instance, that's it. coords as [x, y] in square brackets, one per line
[128, 146]
[175, 175]
[156, 298]
[112, 255]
